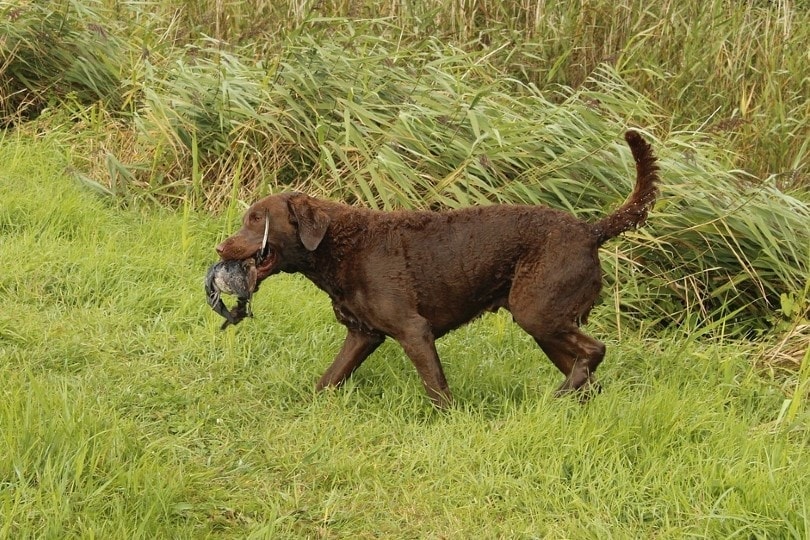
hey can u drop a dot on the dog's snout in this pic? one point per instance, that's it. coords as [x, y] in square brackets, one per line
[220, 248]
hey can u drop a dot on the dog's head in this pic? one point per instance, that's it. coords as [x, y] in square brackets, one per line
[278, 231]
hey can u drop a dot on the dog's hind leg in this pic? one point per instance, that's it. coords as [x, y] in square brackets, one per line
[575, 354]
[581, 353]
[548, 304]
[356, 348]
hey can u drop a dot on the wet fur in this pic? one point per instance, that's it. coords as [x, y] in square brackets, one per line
[414, 276]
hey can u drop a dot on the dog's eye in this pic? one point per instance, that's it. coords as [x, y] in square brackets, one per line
[254, 217]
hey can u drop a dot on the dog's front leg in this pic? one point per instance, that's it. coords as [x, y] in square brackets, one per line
[419, 344]
[356, 348]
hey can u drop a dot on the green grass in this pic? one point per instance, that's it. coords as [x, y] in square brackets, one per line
[126, 413]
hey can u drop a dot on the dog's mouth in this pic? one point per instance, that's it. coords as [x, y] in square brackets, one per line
[265, 262]
[266, 257]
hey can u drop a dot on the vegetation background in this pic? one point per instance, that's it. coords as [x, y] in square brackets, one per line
[134, 133]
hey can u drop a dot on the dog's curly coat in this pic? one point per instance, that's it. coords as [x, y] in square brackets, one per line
[414, 275]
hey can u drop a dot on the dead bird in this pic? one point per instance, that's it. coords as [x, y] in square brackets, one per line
[237, 278]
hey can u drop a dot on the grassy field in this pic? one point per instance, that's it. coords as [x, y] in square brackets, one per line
[126, 413]
[131, 135]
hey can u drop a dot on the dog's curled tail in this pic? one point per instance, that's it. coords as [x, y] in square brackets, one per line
[634, 211]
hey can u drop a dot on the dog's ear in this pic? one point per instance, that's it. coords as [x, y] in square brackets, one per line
[311, 220]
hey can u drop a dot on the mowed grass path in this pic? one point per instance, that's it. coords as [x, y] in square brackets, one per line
[126, 413]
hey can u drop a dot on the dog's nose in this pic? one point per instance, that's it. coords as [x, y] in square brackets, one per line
[220, 248]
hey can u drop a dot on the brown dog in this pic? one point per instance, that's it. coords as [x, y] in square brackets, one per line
[414, 276]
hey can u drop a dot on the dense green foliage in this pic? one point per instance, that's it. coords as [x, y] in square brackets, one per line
[126, 413]
[432, 105]
[735, 69]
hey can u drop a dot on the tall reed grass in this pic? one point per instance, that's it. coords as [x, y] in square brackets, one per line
[57, 52]
[420, 105]
[736, 68]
